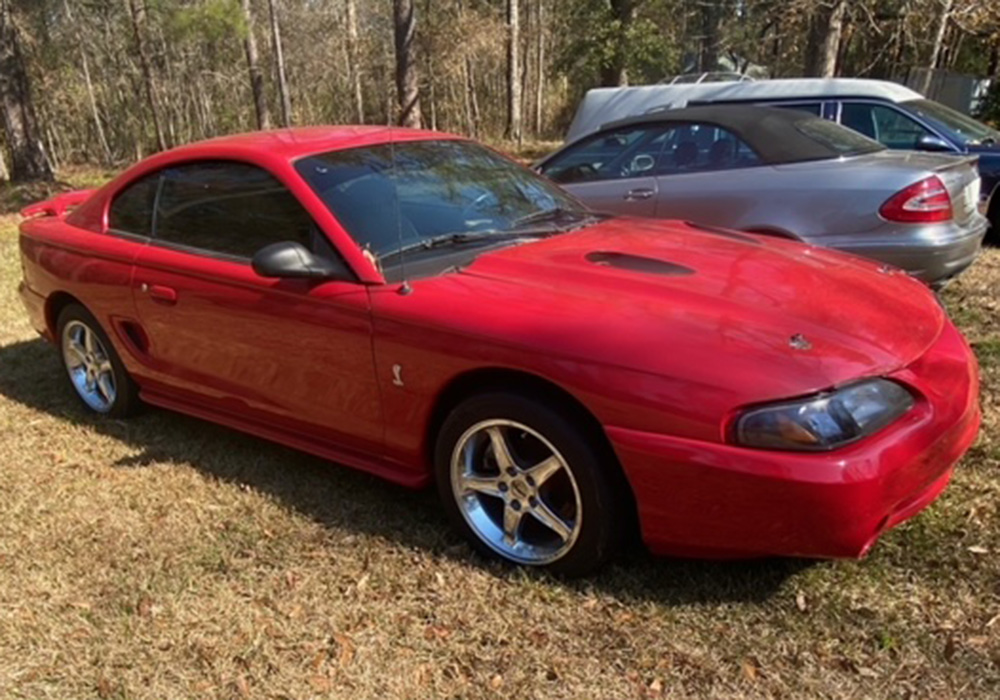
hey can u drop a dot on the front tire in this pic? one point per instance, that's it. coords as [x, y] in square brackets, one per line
[525, 484]
[94, 370]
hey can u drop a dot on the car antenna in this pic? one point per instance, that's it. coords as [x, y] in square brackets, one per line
[405, 287]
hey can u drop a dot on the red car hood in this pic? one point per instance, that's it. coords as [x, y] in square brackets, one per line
[765, 317]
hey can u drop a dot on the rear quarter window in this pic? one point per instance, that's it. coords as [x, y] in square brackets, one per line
[132, 209]
[838, 139]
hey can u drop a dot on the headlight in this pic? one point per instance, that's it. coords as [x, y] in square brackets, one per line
[827, 420]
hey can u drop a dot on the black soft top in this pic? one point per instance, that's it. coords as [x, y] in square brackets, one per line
[777, 135]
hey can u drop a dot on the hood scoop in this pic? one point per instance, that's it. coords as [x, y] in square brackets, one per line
[637, 263]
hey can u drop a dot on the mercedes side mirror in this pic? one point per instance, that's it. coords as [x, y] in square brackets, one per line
[288, 259]
[933, 143]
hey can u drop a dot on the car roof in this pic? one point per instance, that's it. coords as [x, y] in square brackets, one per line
[296, 142]
[770, 131]
[603, 105]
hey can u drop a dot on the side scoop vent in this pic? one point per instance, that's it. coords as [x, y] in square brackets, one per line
[638, 263]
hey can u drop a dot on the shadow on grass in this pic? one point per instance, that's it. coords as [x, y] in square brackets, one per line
[344, 499]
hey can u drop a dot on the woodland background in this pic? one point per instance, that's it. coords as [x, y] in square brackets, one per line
[110, 81]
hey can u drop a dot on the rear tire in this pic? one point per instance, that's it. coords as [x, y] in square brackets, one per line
[527, 485]
[95, 372]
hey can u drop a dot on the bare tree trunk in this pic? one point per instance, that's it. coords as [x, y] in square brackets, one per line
[711, 27]
[4, 174]
[17, 111]
[614, 72]
[91, 98]
[540, 67]
[513, 130]
[407, 78]
[942, 28]
[831, 40]
[137, 13]
[353, 65]
[253, 67]
[279, 60]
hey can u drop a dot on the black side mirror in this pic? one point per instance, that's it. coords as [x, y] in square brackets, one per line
[287, 259]
[933, 144]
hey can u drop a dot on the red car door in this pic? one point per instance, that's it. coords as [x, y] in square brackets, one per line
[295, 354]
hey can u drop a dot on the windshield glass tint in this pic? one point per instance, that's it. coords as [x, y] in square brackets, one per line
[394, 195]
[840, 140]
[966, 128]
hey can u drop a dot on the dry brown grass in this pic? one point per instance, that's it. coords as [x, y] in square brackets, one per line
[168, 558]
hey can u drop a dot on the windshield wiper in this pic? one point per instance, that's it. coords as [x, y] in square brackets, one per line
[554, 214]
[447, 239]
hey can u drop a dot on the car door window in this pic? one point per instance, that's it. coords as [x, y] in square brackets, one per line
[131, 210]
[885, 124]
[703, 147]
[632, 151]
[230, 209]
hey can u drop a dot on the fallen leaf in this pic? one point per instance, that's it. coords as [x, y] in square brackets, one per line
[496, 681]
[978, 549]
[103, 688]
[949, 649]
[436, 632]
[749, 669]
[346, 646]
[800, 601]
[319, 683]
[656, 687]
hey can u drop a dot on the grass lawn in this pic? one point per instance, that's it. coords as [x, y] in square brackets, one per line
[168, 558]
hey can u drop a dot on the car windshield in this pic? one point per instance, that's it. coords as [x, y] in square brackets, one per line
[970, 131]
[840, 140]
[415, 195]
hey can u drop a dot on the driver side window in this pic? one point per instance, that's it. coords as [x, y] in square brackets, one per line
[702, 148]
[631, 151]
[231, 209]
[890, 127]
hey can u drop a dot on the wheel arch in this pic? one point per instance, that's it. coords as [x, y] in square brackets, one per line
[487, 379]
[773, 231]
[993, 216]
[54, 304]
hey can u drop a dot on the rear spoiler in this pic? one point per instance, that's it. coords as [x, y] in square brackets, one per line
[58, 205]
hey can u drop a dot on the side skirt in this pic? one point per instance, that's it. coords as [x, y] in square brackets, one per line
[392, 471]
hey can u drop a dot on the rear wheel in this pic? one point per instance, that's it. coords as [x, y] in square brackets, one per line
[95, 371]
[525, 484]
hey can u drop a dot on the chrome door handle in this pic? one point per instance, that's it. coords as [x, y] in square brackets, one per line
[639, 193]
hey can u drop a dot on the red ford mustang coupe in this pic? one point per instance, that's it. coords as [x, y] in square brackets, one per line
[415, 305]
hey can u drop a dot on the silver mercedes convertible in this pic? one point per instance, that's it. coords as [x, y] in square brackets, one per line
[786, 173]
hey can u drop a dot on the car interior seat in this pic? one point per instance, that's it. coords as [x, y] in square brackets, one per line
[722, 154]
[685, 154]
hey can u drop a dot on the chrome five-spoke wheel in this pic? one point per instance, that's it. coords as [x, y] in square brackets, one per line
[89, 366]
[93, 367]
[528, 478]
[516, 491]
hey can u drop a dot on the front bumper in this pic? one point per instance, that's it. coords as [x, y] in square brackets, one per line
[717, 500]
